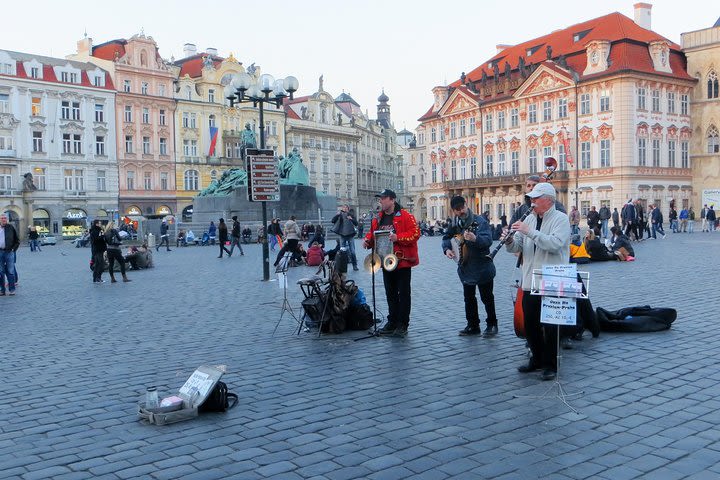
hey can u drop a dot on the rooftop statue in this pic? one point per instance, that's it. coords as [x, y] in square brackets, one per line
[229, 181]
[292, 170]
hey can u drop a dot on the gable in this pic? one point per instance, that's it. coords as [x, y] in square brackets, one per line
[544, 80]
[458, 102]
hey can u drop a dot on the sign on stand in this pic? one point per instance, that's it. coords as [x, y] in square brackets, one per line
[263, 175]
[558, 283]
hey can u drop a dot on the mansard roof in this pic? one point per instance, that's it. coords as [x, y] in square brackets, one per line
[193, 64]
[49, 72]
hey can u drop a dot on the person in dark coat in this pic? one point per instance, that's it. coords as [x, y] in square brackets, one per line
[235, 240]
[475, 269]
[98, 246]
[222, 238]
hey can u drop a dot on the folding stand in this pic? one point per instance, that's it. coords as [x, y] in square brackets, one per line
[583, 278]
[282, 268]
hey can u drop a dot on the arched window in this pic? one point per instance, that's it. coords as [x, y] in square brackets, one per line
[712, 85]
[188, 92]
[713, 140]
[213, 174]
[191, 180]
[211, 120]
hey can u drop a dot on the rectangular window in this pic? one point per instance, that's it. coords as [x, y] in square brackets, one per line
[5, 103]
[656, 100]
[186, 148]
[99, 112]
[147, 181]
[642, 152]
[126, 86]
[193, 148]
[145, 115]
[77, 144]
[36, 106]
[453, 170]
[163, 146]
[501, 120]
[584, 207]
[162, 117]
[463, 169]
[532, 161]
[684, 155]
[98, 81]
[547, 111]
[585, 159]
[146, 145]
[453, 130]
[671, 153]
[128, 144]
[66, 143]
[99, 145]
[489, 161]
[604, 102]
[65, 110]
[76, 110]
[547, 152]
[161, 90]
[641, 99]
[462, 128]
[488, 122]
[185, 119]
[6, 143]
[515, 162]
[585, 104]
[164, 181]
[656, 152]
[514, 118]
[562, 108]
[37, 142]
[501, 163]
[433, 135]
[532, 113]
[604, 153]
[684, 105]
[144, 88]
[128, 114]
[473, 168]
[130, 179]
[64, 77]
[40, 178]
[74, 179]
[193, 120]
[34, 72]
[442, 135]
[211, 95]
[433, 173]
[671, 102]
[562, 157]
[101, 183]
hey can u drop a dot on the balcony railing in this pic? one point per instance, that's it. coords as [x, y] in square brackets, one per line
[498, 179]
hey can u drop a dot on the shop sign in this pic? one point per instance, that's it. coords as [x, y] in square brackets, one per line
[163, 210]
[75, 214]
[134, 211]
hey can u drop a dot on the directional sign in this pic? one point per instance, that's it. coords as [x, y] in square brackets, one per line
[264, 177]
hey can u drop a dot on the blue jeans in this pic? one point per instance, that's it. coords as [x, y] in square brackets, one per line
[349, 242]
[7, 269]
[691, 226]
[657, 228]
[575, 230]
[272, 240]
[604, 227]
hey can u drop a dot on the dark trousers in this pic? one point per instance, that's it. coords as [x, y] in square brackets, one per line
[471, 304]
[98, 266]
[164, 240]
[632, 227]
[542, 338]
[289, 246]
[114, 255]
[235, 241]
[397, 292]
[223, 249]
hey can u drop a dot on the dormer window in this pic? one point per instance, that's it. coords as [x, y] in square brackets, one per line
[531, 51]
[7, 68]
[580, 35]
[34, 72]
[69, 77]
[98, 81]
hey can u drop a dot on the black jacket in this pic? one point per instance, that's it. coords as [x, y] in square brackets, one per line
[97, 240]
[593, 218]
[12, 241]
[478, 269]
[236, 229]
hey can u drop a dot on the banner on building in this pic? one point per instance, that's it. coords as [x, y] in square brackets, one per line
[566, 143]
[213, 140]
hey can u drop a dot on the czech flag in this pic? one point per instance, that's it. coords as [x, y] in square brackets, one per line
[213, 140]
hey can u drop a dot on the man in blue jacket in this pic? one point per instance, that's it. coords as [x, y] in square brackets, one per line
[9, 243]
[475, 269]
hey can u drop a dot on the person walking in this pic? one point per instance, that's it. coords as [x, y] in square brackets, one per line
[292, 238]
[344, 225]
[9, 243]
[604, 220]
[657, 221]
[691, 220]
[574, 220]
[475, 269]
[98, 247]
[114, 252]
[235, 236]
[615, 217]
[684, 215]
[629, 216]
[164, 237]
[273, 233]
[33, 237]
[703, 217]
[711, 217]
[223, 237]
[673, 217]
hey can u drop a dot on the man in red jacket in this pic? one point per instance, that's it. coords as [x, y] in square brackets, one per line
[404, 236]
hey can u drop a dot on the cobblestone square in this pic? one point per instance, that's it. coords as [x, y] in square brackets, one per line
[77, 357]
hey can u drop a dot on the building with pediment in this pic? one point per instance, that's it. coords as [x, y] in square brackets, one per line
[145, 129]
[702, 48]
[608, 98]
[208, 128]
[57, 122]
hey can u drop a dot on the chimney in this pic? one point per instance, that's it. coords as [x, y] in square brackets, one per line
[642, 15]
[500, 47]
[84, 46]
[211, 51]
[189, 49]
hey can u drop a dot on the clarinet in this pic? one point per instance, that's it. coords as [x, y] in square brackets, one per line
[509, 235]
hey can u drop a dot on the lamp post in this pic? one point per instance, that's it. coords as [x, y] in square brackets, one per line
[245, 89]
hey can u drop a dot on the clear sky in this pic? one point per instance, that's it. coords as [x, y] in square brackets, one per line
[360, 47]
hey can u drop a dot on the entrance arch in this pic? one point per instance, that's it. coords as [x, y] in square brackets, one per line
[187, 213]
[41, 219]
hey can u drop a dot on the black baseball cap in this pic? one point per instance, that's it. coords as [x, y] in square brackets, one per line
[386, 193]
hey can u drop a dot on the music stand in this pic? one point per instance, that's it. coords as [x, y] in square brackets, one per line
[559, 285]
[374, 332]
[281, 269]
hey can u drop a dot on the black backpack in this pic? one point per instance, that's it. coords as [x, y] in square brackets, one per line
[218, 400]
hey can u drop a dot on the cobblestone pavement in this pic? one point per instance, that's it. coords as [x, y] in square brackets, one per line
[76, 358]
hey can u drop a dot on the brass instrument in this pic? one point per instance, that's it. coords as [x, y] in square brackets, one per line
[383, 255]
[550, 166]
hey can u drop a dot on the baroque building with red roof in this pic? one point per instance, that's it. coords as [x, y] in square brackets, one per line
[608, 98]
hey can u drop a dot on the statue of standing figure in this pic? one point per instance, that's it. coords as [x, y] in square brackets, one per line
[292, 170]
[248, 137]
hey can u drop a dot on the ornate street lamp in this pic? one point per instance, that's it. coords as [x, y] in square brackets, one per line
[244, 89]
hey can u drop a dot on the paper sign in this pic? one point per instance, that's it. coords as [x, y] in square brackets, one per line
[198, 384]
[558, 311]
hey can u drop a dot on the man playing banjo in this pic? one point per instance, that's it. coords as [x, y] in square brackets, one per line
[471, 234]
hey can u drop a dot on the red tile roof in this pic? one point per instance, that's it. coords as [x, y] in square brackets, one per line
[108, 50]
[193, 64]
[49, 74]
[291, 113]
